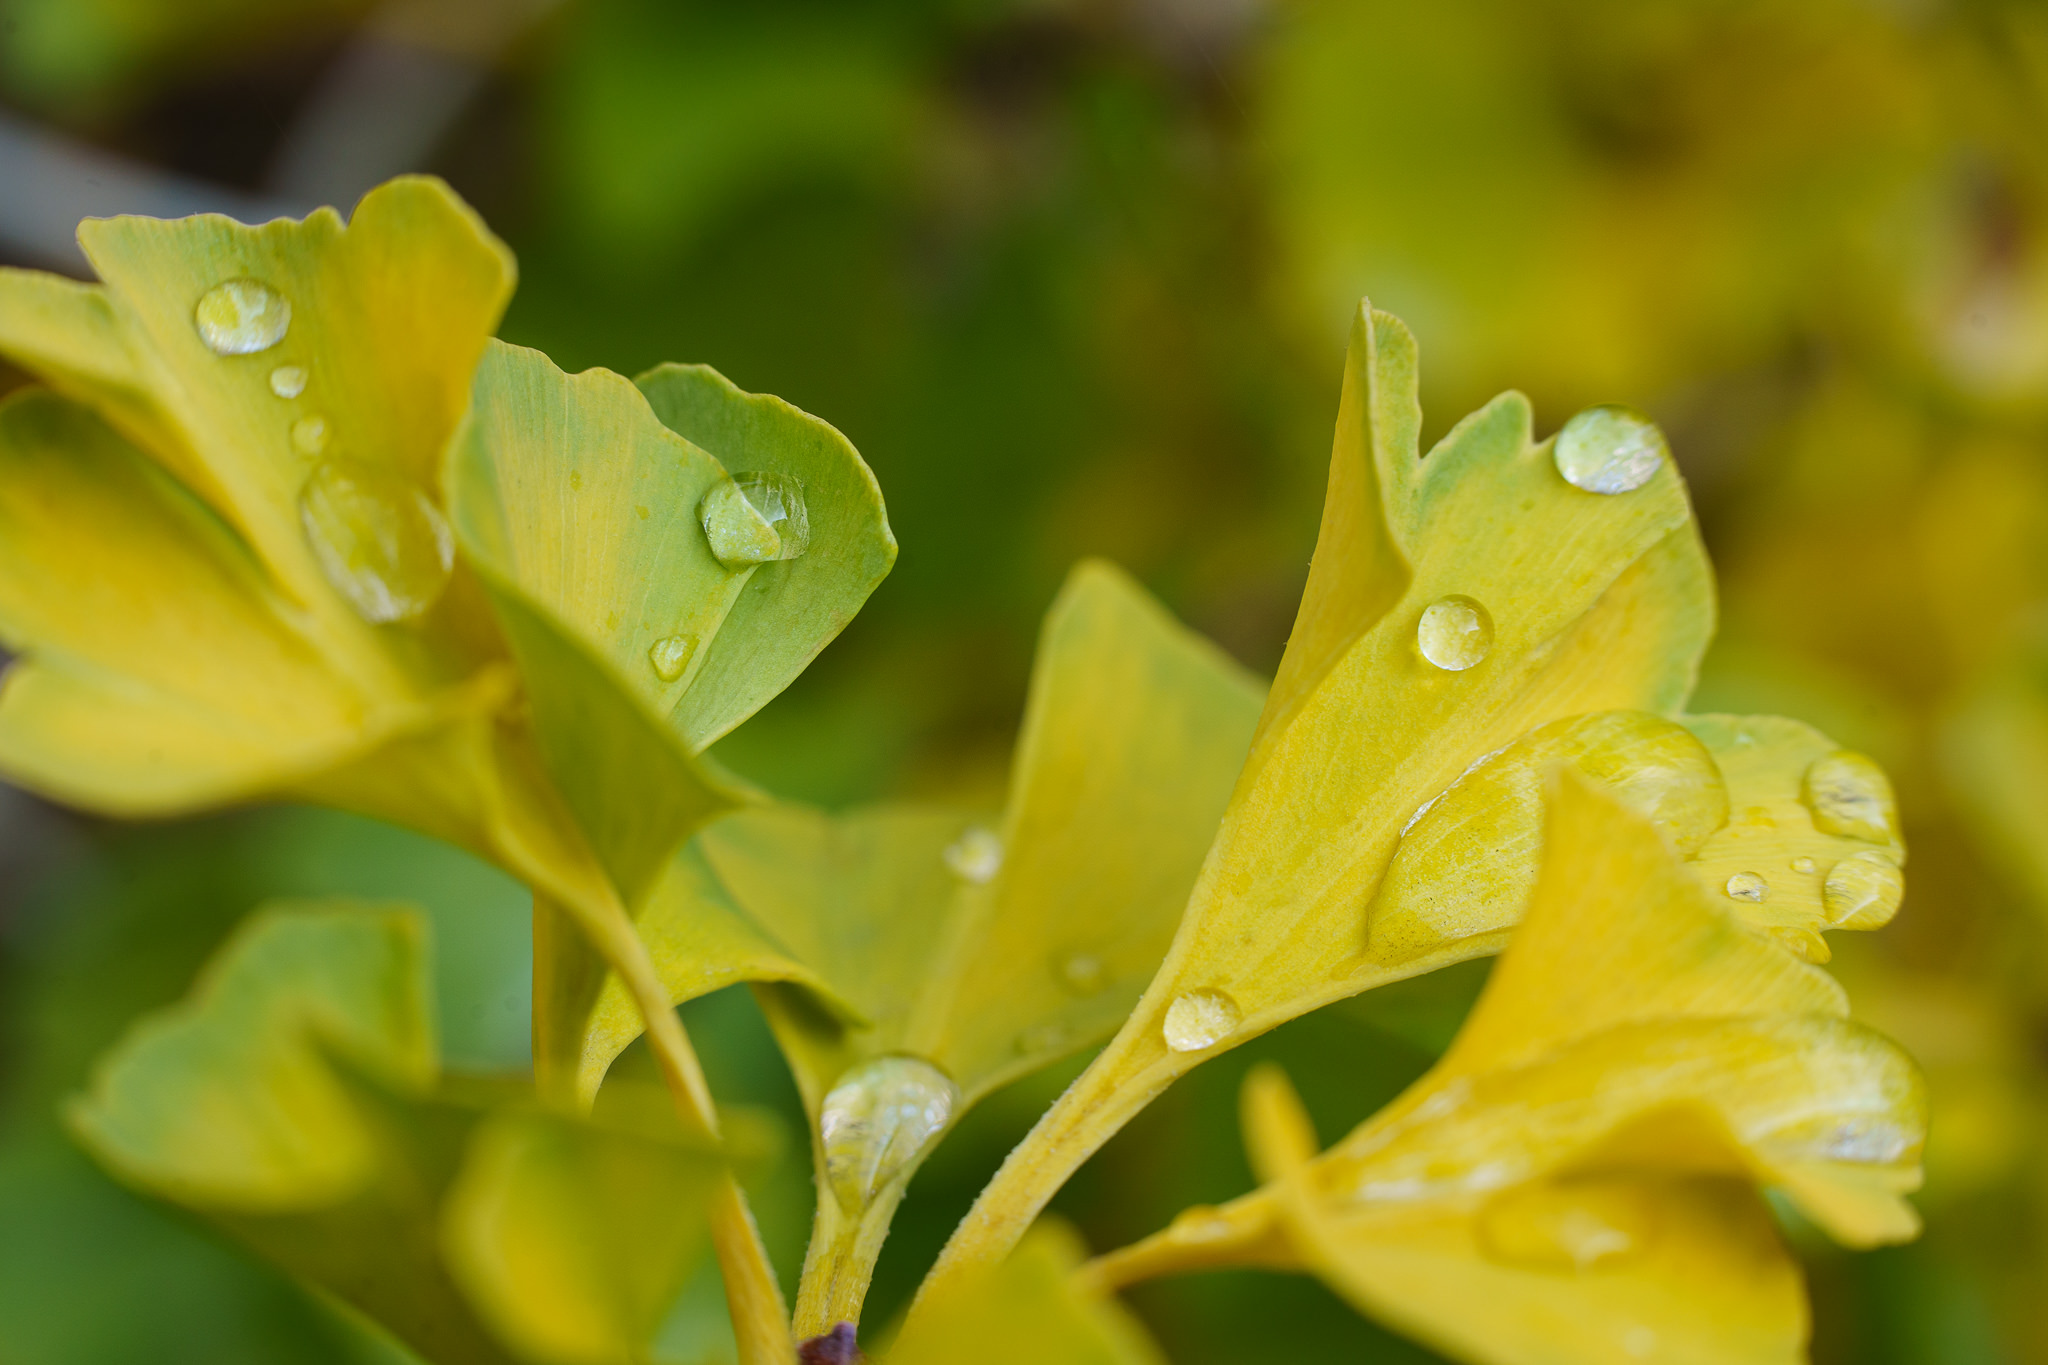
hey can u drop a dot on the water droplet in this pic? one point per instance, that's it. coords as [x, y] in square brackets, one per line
[1200, 1019]
[670, 655]
[1748, 886]
[1850, 795]
[1082, 973]
[1863, 891]
[288, 381]
[878, 1120]
[1572, 1225]
[381, 542]
[242, 317]
[755, 518]
[1455, 633]
[976, 856]
[1806, 865]
[1609, 450]
[309, 435]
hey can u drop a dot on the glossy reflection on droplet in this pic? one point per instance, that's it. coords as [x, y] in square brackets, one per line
[671, 655]
[242, 317]
[1609, 450]
[1850, 795]
[309, 435]
[288, 381]
[755, 518]
[1748, 886]
[877, 1120]
[976, 856]
[1863, 891]
[379, 540]
[1082, 973]
[1454, 633]
[1200, 1019]
[1805, 865]
[1569, 1226]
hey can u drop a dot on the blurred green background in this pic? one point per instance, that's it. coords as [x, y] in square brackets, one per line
[1074, 275]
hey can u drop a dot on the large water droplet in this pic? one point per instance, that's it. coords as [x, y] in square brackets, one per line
[1454, 633]
[670, 655]
[1863, 891]
[879, 1119]
[754, 518]
[1850, 795]
[242, 317]
[1748, 886]
[976, 856]
[1199, 1019]
[1569, 1225]
[288, 381]
[380, 541]
[309, 435]
[1082, 973]
[1609, 450]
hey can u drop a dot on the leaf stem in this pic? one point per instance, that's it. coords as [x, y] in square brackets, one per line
[840, 1261]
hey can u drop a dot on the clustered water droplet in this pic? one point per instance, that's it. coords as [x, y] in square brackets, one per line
[1849, 795]
[1455, 633]
[242, 317]
[1748, 886]
[670, 655]
[877, 1120]
[1609, 449]
[288, 381]
[1200, 1019]
[976, 856]
[378, 538]
[309, 435]
[1862, 891]
[755, 518]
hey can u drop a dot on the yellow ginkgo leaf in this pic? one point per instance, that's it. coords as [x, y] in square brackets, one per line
[1456, 603]
[1575, 1179]
[944, 953]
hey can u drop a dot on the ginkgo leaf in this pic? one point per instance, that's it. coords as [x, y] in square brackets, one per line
[1028, 1310]
[295, 1101]
[1575, 1179]
[1538, 599]
[945, 953]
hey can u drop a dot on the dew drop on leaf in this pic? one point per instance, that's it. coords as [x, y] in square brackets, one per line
[309, 435]
[976, 856]
[1082, 973]
[242, 317]
[1804, 864]
[1454, 633]
[755, 518]
[1862, 891]
[1609, 450]
[877, 1120]
[288, 381]
[1200, 1019]
[380, 541]
[670, 655]
[1748, 886]
[1850, 795]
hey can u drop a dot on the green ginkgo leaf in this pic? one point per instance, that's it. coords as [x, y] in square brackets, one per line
[944, 953]
[1574, 1179]
[295, 1101]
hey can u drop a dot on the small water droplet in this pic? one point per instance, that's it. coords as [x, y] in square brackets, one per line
[242, 317]
[1806, 865]
[976, 856]
[670, 655]
[755, 518]
[1609, 450]
[1862, 891]
[309, 435]
[380, 541]
[288, 381]
[1454, 633]
[1850, 795]
[1082, 973]
[1748, 886]
[1200, 1019]
[877, 1120]
[1567, 1226]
